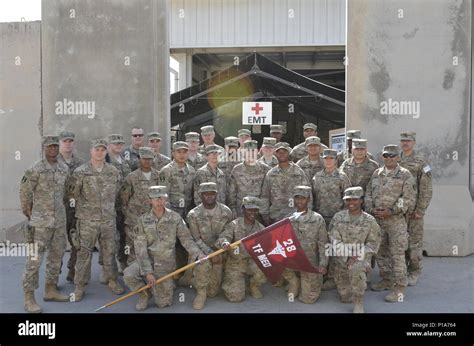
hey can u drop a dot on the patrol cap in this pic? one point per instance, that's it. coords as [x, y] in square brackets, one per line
[115, 138]
[312, 140]
[212, 149]
[391, 149]
[302, 190]
[269, 142]
[276, 129]
[351, 134]
[66, 135]
[251, 202]
[101, 142]
[208, 187]
[329, 153]
[250, 144]
[231, 141]
[48, 140]
[153, 135]
[408, 136]
[244, 132]
[310, 126]
[180, 145]
[359, 143]
[205, 130]
[191, 136]
[146, 153]
[353, 192]
[282, 145]
[157, 191]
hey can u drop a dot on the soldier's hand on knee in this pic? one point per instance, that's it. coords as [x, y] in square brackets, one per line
[150, 279]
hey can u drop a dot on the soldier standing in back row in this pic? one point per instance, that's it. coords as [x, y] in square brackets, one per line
[42, 197]
[228, 160]
[154, 141]
[267, 156]
[211, 172]
[131, 152]
[208, 135]
[195, 159]
[421, 171]
[347, 152]
[299, 151]
[359, 168]
[312, 163]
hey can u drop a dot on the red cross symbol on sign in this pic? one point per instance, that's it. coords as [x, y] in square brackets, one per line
[257, 108]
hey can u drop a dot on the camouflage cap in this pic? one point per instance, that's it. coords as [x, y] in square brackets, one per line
[49, 140]
[180, 145]
[353, 192]
[205, 130]
[312, 140]
[101, 142]
[329, 153]
[146, 153]
[302, 190]
[251, 202]
[276, 128]
[191, 136]
[115, 138]
[153, 135]
[208, 187]
[269, 142]
[157, 191]
[66, 135]
[359, 143]
[244, 132]
[212, 149]
[282, 145]
[408, 136]
[391, 149]
[250, 144]
[231, 141]
[351, 134]
[310, 126]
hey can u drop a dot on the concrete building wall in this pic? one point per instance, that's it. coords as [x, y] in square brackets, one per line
[419, 51]
[20, 111]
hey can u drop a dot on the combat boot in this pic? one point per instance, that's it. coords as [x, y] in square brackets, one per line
[102, 278]
[51, 294]
[143, 298]
[358, 304]
[412, 279]
[255, 291]
[116, 287]
[30, 303]
[396, 296]
[382, 285]
[294, 287]
[328, 285]
[79, 291]
[200, 300]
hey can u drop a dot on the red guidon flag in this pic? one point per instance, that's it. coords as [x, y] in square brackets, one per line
[275, 248]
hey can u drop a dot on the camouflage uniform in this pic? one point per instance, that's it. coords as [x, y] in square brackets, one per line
[271, 164]
[359, 174]
[205, 130]
[228, 161]
[345, 154]
[206, 175]
[309, 166]
[160, 161]
[299, 151]
[395, 190]
[421, 171]
[42, 197]
[132, 156]
[154, 242]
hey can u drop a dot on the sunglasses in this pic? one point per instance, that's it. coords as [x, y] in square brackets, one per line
[389, 155]
[137, 135]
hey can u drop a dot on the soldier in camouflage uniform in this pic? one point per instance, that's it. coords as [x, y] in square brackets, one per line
[72, 161]
[154, 141]
[206, 222]
[156, 234]
[211, 173]
[42, 197]
[347, 152]
[391, 193]
[94, 187]
[244, 135]
[421, 171]
[359, 168]
[310, 229]
[134, 196]
[239, 265]
[208, 134]
[328, 188]
[246, 179]
[131, 153]
[229, 159]
[195, 159]
[359, 235]
[299, 151]
[312, 163]
[276, 131]
[266, 152]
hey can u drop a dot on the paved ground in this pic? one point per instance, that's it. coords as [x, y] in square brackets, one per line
[446, 286]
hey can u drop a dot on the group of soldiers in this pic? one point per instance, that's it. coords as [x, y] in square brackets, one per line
[150, 214]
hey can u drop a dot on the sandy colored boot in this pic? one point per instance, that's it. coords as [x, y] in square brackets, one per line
[79, 292]
[116, 287]
[30, 303]
[412, 279]
[396, 296]
[200, 300]
[255, 291]
[143, 298]
[358, 305]
[382, 285]
[294, 287]
[51, 294]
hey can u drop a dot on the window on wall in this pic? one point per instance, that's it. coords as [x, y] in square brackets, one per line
[174, 75]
